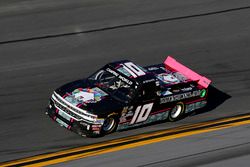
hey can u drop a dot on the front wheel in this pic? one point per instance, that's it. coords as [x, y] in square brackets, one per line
[177, 112]
[110, 124]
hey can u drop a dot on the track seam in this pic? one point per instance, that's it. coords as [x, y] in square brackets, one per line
[123, 26]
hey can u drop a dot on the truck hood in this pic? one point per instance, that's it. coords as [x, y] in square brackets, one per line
[87, 96]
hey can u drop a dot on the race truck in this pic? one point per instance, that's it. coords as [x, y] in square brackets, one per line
[124, 95]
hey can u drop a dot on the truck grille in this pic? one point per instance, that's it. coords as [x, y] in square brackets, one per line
[66, 110]
[71, 110]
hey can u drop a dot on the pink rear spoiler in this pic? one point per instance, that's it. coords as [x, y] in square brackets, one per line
[172, 63]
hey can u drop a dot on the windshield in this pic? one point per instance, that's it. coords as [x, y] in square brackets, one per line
[113, 85]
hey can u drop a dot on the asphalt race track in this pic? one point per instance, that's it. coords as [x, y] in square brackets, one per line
[44, 44]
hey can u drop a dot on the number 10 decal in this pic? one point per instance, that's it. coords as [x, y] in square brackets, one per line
[133, 69]
[142, 113]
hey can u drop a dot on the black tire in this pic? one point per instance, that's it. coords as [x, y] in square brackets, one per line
[110, 125]
[176, 112]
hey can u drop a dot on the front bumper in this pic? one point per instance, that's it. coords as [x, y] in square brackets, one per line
[80, 127]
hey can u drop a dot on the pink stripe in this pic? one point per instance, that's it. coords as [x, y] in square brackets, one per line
[67, 94]
[57, 110]
[125, 121]
[156, 112]
[172, 63]
[54, 118]
[195, 101]
[79, 105]
[118, 66]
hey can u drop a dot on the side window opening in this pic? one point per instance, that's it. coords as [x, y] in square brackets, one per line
[149, 91]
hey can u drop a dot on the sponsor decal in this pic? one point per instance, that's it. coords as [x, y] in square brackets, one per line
[171, 78]
[153, 68]
[85, 95]
[126, 114]
[129, 113]
[96, 127]
[119, 84]
[112, 72]
[186, 89]
[179, 76]
[194, 106]
[176, 90]
[150, 80]
[168, 78]
[151, 118]
[166, 93]
[180, 96]
[99, 121]
[157, 83]
[127, 81]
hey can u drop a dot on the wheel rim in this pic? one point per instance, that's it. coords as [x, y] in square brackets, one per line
[176, 111]
[108, 124]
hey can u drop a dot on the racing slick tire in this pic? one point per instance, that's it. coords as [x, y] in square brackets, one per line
[110, 125]
[176, 112]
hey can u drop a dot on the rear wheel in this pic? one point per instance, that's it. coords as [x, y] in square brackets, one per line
[177, 112]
